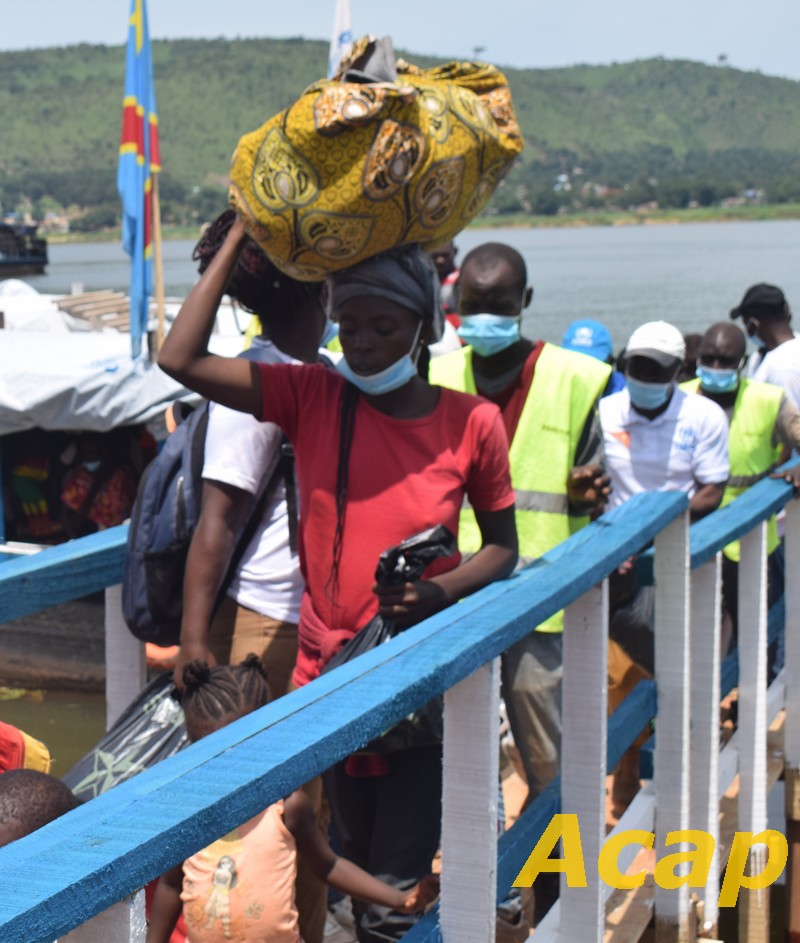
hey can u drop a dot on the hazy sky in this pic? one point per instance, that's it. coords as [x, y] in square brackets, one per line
[523, 33]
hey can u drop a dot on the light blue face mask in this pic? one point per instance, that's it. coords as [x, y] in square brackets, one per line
[648, 395]
[329, 332]
[391, 378]
[718, 381]
[488, 334]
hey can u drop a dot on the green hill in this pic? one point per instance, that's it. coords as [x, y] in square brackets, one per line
[648, 129]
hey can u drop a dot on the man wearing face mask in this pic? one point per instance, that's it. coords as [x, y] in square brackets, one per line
[657, 438]
[764, 425]
[548, 399]
[767, 321]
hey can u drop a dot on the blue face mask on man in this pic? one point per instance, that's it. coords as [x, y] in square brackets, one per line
[390, 378]
[648, 395]
[488, 334]
[718, 381]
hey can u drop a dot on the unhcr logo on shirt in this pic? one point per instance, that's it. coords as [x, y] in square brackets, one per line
[686, 439]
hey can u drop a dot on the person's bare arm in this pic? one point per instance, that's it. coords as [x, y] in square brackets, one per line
[232, 381]
[787, 426]
[222, 516]
[343, 874]
[792, 476]
[166, 906]
[706, 499]
[588, 487]
[410, 603]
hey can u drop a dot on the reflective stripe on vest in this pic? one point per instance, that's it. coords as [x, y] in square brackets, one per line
[536, 501]
[564, 389]
[742, 482]
[752, 453]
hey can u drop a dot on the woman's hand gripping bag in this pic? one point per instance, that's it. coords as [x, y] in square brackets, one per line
[353, 168]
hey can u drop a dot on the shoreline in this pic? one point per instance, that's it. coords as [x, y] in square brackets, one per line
[594, 218]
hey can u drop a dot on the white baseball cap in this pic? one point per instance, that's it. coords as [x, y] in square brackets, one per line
[657, 340]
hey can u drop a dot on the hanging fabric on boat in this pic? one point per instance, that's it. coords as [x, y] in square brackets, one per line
[357, 166]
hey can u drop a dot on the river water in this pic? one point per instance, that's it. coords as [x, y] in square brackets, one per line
[689, 274]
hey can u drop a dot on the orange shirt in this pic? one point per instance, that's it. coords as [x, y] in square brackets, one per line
[240, 889]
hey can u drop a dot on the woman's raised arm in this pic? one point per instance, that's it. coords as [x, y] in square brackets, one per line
[230, 381]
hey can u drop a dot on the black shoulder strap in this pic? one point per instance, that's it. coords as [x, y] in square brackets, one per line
[286, 467]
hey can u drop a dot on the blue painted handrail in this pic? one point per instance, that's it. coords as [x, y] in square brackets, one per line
[60, 574]
[80, 864]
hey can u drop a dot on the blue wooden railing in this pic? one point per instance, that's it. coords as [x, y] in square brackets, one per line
[93, 857]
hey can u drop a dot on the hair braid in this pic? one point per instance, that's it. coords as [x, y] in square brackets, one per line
[255, 283]
[214, 696]
[346, 431]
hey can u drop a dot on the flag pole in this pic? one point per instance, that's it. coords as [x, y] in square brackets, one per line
[158, 263]
[342, 38]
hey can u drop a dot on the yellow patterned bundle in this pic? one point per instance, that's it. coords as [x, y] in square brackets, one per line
[352, 169]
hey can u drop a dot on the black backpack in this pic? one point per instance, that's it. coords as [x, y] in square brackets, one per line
[163, 521]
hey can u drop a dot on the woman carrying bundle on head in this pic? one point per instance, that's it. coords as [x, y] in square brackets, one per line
[381, 455]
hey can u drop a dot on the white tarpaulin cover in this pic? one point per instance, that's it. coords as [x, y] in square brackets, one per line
[57, 374]
[78, 381]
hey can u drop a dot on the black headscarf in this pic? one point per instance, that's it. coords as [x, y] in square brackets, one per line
[405, 275]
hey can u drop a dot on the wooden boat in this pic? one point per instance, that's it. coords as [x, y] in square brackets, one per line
[22, 252]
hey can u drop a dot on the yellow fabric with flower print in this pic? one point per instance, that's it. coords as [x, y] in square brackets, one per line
[352, 169]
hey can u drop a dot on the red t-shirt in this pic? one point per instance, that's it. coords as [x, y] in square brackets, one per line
[405, 475]
[512, 399]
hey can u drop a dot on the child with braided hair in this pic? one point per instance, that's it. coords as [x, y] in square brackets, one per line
[241, 887]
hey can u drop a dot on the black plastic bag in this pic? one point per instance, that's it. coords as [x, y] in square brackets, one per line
[402, 564]
[151, 729]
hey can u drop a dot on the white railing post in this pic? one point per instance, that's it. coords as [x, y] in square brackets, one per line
[704, 645]
[124, 922]
[752, 723]
[126, 671]
[583, 753]
[469, 807]
[791, 734]
[671, 777]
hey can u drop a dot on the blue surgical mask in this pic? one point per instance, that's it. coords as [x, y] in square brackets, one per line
[329, 332]
[391, 378]
[718, 381]
[488, 334]
[648, 395]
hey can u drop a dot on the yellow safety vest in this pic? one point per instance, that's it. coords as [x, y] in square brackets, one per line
[565, 387]
[750, 444]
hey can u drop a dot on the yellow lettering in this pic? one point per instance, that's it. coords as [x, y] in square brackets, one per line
[607, 866]
[700, 860]
[777, 854]
[564, 827]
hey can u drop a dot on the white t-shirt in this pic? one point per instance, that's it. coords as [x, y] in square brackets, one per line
[680, 450]
[780, 366]
[237, 451]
